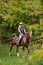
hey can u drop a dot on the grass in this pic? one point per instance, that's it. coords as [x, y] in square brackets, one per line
[5, 59]
[11, 60]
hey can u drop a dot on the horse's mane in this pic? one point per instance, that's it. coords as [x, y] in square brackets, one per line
[26, 33]
[29, 33]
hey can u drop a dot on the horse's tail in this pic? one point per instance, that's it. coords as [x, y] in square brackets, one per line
[5, 40]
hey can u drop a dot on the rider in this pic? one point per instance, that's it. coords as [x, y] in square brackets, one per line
[21, 31]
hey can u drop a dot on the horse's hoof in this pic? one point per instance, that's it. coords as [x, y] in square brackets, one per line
[18, 55]
[23, 56]
[0, 61]
[9, 54]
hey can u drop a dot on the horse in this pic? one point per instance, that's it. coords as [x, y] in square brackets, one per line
[14, 40]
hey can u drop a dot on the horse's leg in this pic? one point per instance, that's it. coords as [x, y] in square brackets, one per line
[23, 49]
[17, 51]
[10, 49]
[28, 48]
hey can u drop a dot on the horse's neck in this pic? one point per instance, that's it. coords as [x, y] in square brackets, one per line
[27, 35]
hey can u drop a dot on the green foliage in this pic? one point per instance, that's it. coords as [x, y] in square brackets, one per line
[14, 11]
[37, 58]
[30, 12]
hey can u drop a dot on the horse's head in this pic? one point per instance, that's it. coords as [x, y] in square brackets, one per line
[30, 33]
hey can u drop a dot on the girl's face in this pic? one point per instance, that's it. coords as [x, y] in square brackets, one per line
[22, 26]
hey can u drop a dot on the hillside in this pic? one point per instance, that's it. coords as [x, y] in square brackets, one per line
[30, 12]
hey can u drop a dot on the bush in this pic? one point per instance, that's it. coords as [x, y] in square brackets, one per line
[37, 58]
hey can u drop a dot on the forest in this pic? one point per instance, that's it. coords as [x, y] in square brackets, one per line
[30, 12]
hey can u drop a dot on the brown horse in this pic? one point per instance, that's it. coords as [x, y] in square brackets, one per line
[24, 42]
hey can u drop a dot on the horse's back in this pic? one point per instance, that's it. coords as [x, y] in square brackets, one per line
[15, 39]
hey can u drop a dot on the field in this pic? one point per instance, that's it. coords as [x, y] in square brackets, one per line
[30, 12]
[33, 58]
